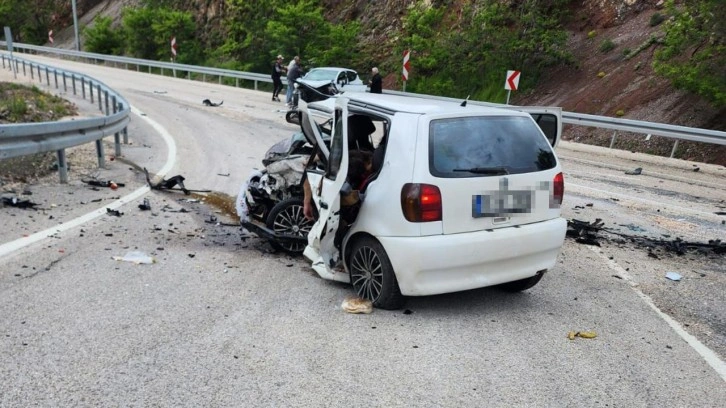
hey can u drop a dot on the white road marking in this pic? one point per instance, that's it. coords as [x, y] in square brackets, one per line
[13, 246]
[709, 355]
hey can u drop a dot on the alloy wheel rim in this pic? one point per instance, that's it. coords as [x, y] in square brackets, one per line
[292, 221]
[367, 273]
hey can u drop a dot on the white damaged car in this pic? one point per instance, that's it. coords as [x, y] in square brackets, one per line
[457, 196]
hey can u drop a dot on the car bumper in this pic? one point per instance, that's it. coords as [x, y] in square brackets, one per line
[442, 264]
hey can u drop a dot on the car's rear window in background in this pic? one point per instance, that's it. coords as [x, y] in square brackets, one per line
[512, 143]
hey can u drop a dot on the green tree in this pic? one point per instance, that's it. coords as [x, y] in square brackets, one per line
[148, 32]
[102, 38]
[469, 54]
[693, 53]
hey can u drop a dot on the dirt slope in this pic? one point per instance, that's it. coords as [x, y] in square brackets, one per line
[629, 84]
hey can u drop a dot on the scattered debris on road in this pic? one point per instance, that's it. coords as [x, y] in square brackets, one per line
[18, 203]
[582, 334]
[207, 102]
[104, 183]
[145, 206]
[115, 213]
[590, 233]
[357, 305]
[634, 172]
[135, 257]
[674, 276]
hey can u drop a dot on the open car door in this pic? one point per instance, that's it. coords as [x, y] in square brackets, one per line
[548, 119]
[326, 182]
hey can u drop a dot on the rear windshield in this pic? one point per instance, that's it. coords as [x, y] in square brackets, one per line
[487, 146]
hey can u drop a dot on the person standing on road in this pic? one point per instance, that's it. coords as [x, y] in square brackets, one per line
[293, 72]
[376, 82]
[277, 71]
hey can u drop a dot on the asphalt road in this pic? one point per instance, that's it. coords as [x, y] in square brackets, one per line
[217, 321]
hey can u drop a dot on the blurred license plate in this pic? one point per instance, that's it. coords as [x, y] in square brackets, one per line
[501, 203]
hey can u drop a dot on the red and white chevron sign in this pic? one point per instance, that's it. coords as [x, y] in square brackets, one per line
[406, 64]
[173, 46]
[50, 36]
[512, 81]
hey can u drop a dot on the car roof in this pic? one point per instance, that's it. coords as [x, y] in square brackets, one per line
[333, 68]
[411, 104]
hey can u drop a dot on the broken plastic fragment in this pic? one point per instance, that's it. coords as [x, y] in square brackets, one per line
[674, 276]
[635, 172]
[583, 334]
[136, 257]
[357, 305]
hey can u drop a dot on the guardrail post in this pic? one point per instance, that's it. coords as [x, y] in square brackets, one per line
[255, 85]
[236, 82]
[612, 141]
[126, 133]
[47, 76]
[83, 87]
[62, 166]
[116, 136]
[73, 81]
[105, 94]
[137, 67]
[204, 77]
[675, 146]
[40, 75]
[32, 75]
[99, 152]
[220, 79]
[3, 57]
[55, 76]
[98, 92]
[24, 69]
[65, 86]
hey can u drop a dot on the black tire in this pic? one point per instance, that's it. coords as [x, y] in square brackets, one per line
[372, 276]
[523, 284]
[287, 217]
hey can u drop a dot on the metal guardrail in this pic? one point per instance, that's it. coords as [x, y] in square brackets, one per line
[31, 138]
[615, 124]
[127, 62]
[577, 119]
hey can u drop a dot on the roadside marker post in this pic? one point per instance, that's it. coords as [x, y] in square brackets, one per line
[406, 67]
[511, 83]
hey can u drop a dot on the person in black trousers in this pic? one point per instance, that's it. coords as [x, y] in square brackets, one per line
[277, 71]
[376, 82]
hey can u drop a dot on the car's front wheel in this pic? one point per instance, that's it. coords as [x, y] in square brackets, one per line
[372, 276]
[523, 284]
[287, 218]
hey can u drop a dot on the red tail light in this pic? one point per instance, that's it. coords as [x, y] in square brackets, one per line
[421, 202]
[558, 190]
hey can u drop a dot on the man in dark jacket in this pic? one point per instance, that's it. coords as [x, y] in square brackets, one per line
[277, 71]
[376, 82]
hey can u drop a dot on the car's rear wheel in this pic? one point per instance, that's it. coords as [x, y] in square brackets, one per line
[523, 284]
[287, 217]
[372, 276]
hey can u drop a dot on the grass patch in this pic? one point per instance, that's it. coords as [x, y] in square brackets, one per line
[24, 104]
[607, 45]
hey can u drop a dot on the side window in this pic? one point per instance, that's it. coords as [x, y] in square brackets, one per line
[336, 147]
[352, 76]
[548, 124]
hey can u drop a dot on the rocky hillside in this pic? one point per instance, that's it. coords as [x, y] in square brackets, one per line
[616, 82]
